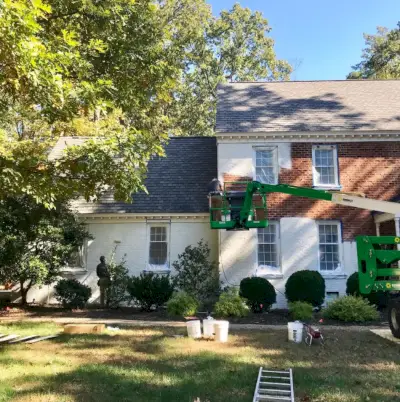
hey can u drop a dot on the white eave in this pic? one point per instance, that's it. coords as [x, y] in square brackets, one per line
[144, 217]
[309, 136]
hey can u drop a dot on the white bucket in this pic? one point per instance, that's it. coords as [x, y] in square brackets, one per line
[208, 327]
[221, 331]
[193, 329]
[295, 331]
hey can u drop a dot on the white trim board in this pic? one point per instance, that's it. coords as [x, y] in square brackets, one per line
[310, 136]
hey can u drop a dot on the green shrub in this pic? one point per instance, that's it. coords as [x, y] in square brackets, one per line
[117, 292]
[380, 298]
[181, 304]
[301, 310]
[306, 286]
[230, 304]
[150, 290]
[72, 294]
[260, 295]
[196, 274]
[351, 308]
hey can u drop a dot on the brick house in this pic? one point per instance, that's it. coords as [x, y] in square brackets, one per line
[334, 135]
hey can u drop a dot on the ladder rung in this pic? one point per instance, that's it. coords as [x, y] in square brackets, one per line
[271, 376]
[273, 398]
[276, 383]
[277, 372]
[267, 390]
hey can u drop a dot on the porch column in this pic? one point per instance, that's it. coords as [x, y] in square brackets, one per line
[377, 228]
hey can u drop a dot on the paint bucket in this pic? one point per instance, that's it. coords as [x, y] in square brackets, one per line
[295, 331]
[193, 329]
[208, 327]
[221, 331]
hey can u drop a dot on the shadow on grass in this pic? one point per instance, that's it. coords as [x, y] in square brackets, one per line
[153, 367]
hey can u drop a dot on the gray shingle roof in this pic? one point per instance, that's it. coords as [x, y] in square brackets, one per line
[369, 105]
[176, 183]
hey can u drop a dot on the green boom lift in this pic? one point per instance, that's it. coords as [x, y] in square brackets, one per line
[243, 206]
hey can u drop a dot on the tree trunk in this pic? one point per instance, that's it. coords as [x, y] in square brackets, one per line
[24, 292]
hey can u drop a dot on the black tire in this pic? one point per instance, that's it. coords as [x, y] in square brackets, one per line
[394, 317]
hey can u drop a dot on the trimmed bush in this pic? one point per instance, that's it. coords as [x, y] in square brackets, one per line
[301, 310]
[117, 292]
[230, 304]
[380, 298]
[260, 295]
[72, 294]
[196, 274]
[150, 290]
[306, 286]
[351, 309]
[181, 304]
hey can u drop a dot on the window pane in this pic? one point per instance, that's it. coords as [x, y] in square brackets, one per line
[328, 247]
[158, 253]
[324, 165]
[158, 245]
[267, 246]
[265, 166]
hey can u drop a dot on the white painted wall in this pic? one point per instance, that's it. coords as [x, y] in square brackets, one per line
[298, 251]
[238, 158]
[133, 243]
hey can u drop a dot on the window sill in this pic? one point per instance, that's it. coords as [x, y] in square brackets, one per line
[326, 188]
[73, 271]
[163, 271]
[273, 276]
[334, 276]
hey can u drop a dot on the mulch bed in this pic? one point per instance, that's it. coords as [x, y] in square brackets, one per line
[274, 317]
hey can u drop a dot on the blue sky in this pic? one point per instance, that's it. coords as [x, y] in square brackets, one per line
[325, 37]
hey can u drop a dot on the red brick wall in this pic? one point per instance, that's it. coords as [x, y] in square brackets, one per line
[371, 168]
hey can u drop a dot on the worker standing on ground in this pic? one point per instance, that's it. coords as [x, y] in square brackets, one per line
[104, 280]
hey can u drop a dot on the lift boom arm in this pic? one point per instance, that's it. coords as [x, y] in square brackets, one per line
[337, 198]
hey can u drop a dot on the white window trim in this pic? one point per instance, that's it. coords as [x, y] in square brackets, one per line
[337, 271]
[154, 267]
[274, 149]
[336, 185]
[268, 271]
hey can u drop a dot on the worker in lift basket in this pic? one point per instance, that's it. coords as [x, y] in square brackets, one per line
[215, 196]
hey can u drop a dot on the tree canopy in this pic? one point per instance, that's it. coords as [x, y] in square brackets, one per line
[123, 73]
[235, 47]
[381, 56]
[35, 242]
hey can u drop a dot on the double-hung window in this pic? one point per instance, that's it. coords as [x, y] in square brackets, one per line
[266, 165]
[329, 246]
[158, 247]
[268, 248]
[325, 166]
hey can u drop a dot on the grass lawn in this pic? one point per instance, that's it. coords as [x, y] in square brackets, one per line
[146, 365]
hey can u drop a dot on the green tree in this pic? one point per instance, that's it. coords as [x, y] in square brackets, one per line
[107, 70]
[381, 56]
[36, 242]
[235, 47]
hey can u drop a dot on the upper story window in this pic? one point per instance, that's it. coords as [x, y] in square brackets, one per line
[325, 166]
[158, 247]
[266, 165]
[329, 246]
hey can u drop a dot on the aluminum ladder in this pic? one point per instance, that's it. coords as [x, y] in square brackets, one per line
[274, 386]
